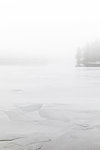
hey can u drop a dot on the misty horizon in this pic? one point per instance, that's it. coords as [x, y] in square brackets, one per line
[49, 75]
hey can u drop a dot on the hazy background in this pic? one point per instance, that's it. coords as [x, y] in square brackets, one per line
[48, 29]
[44, 32]
[38, 43]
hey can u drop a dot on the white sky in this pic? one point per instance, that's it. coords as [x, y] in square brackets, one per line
[47, 27]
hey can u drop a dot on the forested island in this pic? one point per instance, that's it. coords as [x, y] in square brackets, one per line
[89, 55]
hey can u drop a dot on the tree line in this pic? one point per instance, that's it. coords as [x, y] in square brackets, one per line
[90, 53]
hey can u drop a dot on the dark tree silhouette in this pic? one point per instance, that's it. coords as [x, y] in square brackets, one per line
[89, 55]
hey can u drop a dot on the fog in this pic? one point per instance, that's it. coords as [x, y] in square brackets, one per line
[47, 28]
[49, 91]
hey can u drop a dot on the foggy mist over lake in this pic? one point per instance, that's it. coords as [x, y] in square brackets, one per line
[50, 83]
[49, 75]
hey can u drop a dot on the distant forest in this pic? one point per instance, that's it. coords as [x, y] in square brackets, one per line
[89, 55]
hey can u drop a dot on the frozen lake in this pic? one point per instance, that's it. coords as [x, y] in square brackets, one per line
[50, 124]
[52, 83]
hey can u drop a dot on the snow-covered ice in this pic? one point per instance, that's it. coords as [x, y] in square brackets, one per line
[76, 129]
[49, 108]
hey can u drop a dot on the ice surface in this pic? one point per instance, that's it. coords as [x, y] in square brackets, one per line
[80, 131]
[49, 108]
